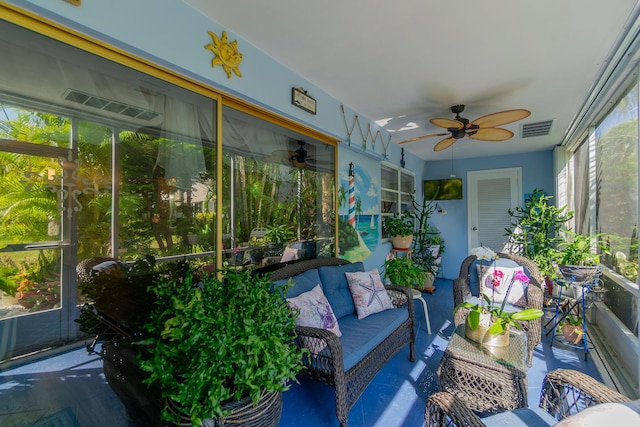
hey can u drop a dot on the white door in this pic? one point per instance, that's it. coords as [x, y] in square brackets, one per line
[491, 193]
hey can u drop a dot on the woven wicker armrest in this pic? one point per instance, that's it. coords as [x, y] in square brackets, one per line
[400, 296]
[330, 360]
[566, 392]
[445, 409]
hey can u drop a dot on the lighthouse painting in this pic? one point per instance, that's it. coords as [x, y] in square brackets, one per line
[359, 209]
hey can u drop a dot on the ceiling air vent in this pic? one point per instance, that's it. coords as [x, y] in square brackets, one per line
[109, 105]
[529, 130]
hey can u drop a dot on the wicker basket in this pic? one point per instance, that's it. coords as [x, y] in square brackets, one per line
[243, 413]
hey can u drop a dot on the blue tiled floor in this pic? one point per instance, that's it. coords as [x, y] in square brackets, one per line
[70, 389]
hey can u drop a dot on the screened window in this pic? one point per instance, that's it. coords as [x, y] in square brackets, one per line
[617, 184]
[396, 187]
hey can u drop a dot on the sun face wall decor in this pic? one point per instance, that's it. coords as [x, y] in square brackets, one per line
[226, 54]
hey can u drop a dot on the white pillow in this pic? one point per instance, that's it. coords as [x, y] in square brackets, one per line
[369, 294]
[494, 282]
[315, 311]
[604, 414]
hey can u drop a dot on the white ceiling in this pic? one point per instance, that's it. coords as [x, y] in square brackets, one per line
[402, 62]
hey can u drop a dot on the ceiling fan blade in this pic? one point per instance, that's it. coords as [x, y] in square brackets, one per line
[447, 123]
[444, 144]
[423, 137]
[500, 118]
[492, 134]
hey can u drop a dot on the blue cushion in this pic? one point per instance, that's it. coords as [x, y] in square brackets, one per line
[360, 336]
[474, 280]
[301, 283]
[336, 287]
[529, 417]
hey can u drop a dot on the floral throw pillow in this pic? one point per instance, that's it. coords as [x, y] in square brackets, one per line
[368, 292]
[495, 281]
[315, 311]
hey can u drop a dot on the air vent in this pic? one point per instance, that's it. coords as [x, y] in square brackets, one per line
[109, 105]
[529, 130]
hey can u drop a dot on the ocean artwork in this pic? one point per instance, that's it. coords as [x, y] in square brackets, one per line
[360, 209]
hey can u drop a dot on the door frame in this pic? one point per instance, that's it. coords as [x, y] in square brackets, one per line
[474, 178]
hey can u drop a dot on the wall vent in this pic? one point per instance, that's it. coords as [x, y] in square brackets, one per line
[529, 130]
[109, 105]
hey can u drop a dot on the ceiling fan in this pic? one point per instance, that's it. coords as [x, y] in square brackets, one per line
[299, 157]
[483, 128]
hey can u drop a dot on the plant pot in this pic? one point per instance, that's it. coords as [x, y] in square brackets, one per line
[401, 242]
[428, 283]
[266, 413]
[572, 334]
[482, 336]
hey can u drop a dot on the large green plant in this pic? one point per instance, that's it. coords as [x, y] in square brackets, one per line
[535, 230]
[426, 236]
[403, 271]
[578, 250]
[218, 340]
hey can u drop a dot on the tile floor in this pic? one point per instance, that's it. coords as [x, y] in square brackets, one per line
[70, 389]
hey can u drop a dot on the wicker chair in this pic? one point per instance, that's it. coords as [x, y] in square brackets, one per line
[535, 296]
[565, 392]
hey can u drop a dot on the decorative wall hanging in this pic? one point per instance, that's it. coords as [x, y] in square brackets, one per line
[301, 99]
[358, 206]
[226, 54]
[365, 136]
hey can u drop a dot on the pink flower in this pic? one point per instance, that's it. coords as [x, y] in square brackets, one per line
[497, 278]
[522, 277]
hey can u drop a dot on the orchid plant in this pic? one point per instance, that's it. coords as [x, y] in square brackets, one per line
[498, 318]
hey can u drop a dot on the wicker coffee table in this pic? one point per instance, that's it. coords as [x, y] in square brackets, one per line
[487, 379]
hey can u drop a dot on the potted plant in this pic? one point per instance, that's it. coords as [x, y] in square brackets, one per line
[400, 227]
[487, 323]
[572, 329]
[402, 271]
[577, 261]
[535, 232]
[428, 244]
[276, 237]
[220, 347]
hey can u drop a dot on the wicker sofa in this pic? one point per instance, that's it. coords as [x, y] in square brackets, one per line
[348, 363]
[467, 288]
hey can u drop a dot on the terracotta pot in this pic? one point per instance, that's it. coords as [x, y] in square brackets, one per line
[401, 242]
[573, 334]
[428, 283]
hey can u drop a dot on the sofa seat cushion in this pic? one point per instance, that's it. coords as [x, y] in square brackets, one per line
[525, 417]
[336, 287]
[303, 282]
[360, 336]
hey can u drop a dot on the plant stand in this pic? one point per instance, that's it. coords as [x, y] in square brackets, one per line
[582, 281]
[418, 295]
